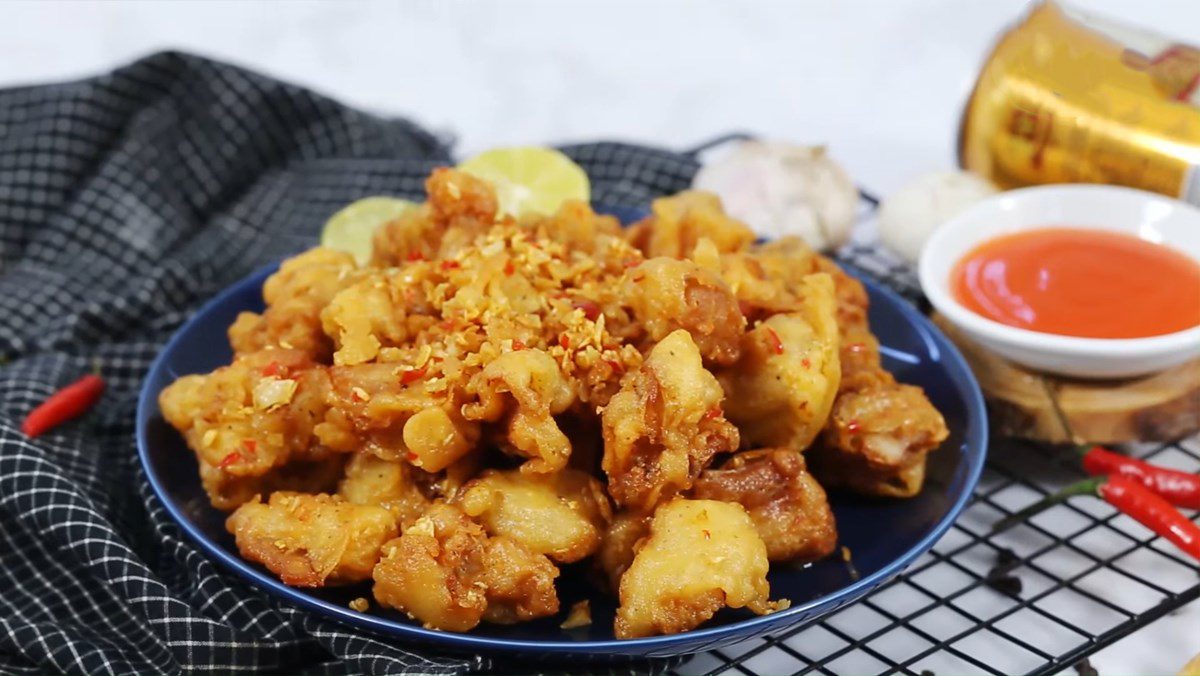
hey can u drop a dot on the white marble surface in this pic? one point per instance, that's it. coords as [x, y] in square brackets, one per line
[880, 81]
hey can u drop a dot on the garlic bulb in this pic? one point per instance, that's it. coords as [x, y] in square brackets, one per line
[784, 189]
[910, 215]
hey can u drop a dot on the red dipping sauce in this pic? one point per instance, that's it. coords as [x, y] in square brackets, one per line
[1077, 282]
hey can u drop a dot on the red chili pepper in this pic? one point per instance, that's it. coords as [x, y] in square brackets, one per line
[590, 308]
[563, 341]
[1131, 498]
[250, 445]
[712, 413]
[1181, 489]
[450, 265]
[229, 460]
[412, 375]
[615, 365]
[509, 268]
[68, 403]
[274, 369]
[518, 345]
[852, 426]
[414, 256]
[773, 340]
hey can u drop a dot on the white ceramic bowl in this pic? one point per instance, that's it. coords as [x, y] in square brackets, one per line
[1146, 215]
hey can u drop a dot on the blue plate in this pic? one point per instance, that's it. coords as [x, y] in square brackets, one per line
[885, 536]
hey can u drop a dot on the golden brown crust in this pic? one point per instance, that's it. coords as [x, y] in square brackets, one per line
[312, 540]
[700, 556]
[664, 426]
[787, 505]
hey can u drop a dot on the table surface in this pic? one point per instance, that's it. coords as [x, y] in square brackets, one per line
[881, 82]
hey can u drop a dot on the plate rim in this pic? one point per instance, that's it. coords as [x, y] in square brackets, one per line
[695, 640]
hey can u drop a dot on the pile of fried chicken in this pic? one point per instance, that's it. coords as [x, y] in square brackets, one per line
[493, 397]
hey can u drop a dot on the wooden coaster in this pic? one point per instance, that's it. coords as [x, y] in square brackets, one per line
[1031, 405]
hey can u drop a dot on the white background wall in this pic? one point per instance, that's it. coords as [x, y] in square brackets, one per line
[880, 81]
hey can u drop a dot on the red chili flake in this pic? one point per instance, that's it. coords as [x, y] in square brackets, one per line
[414, 256]
[230, 459]
[616, 366]
[852, 426]
[411, 457]
[713, 413]
[564, 342]
[412, 374]
[631, 263]
[745, 308]
[590, 308]
[509, 268]
[450, 265]
[638, 277]
[274, 369]
[518, 345]
[806, 363]
[773, 340]
[250, 445]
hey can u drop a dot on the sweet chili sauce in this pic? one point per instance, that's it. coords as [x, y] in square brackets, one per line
[1077, 282]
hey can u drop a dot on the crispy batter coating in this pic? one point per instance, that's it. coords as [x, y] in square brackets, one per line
[560, 515]
[447, 573]
[620, 544]
[877, 440]
[781, 391]
[664, 426]
[536, 391]
[249, 418]
[665, 294]
[879, 431]
[787, 505]
[459, 208]
[460, 396]
[700, 556]
[390, 484]
[295, 296]
[312, 540]
[677, 223]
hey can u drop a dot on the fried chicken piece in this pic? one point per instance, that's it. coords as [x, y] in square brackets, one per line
[666, 294]
[879, 431]
[384, 483]
[227, 491]
[459, 208]
[525, 389]
[677, 223]
[447, 573]
[787, 505]
[312, 540]
[620, 544]
[781, 391]
[295, 296]
[561, 515]
[701, 556]
[664, 426]
[519, 583]
[364, 317]
[372, 408]
[576, 226]
[877, 440]
[249, 418]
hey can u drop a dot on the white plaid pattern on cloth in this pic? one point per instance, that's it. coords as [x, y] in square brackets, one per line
[125, 201]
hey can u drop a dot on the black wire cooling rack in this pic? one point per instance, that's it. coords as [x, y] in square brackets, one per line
[1034, 599]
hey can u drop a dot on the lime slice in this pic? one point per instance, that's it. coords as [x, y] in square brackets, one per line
[352, 228]
[530, 179]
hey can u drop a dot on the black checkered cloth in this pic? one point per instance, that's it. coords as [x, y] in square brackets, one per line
[125, 201]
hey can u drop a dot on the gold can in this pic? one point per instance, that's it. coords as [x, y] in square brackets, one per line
[1067, 97]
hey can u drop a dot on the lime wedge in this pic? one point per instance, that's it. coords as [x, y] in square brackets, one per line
[352, 228]
[530, 179]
